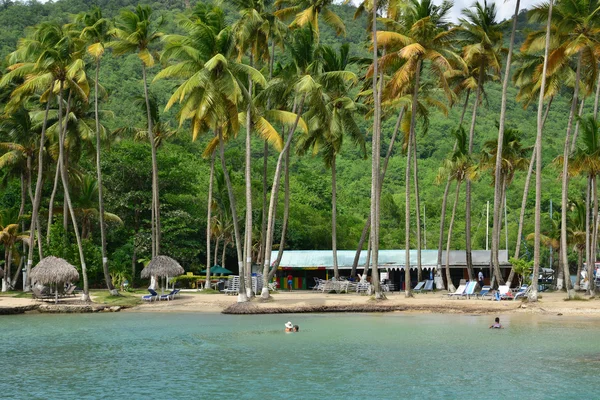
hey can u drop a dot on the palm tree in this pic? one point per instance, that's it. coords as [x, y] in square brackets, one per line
[135, 32]
[577, 238]
[329, 126]
[95, 33]
[421, 36]
[533, 293]
[9, 236]
[577, 29]
[459, 167]
[586, 160]
[482, 40]
[307, 12]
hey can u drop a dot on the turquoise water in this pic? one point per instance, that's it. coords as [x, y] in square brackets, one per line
[334, 356]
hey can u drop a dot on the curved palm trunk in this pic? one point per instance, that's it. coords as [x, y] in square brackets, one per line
[499, 149]
[85, 296]
[263, 222]
[107, 278]
[248, 176]
[336, 272]
[273, 201]
[242, 296]
[38, 191]
[208, 220]
[155, 192]
[439, 280]
[413, 119]
[468, 184]
[286, 214]
[565, 180]
[587, 225]
[386, 160]
[51, 204]
[451, 287]
[533, 293]
[594, 241]
[417, 208]
[576, 133]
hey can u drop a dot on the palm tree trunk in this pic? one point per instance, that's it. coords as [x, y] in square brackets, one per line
[386, 160]
[451, 287]
[248, 176]
[592, 264]
[587, 225]
[565, 178]
[263, 222]
[576, 133]
[155, 192]
[6, 275]
[86, 291]
[273, 201]
[38, 190]
[439, 280]
[577, 285]
[468, 185]
[499, 147]
[413, 119]
[107, 278]
[51, 204]
[225, 243]
[23, 195]
[208, 219]
[533, 293]
[242, 296]
[417, 208]
[336, 272]
[286, 214]
[375, 160]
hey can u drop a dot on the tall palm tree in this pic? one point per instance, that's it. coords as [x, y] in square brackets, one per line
[95, 33]
[533, 293]
[459, 167]
[421, 35]
[577, 238]
[136, 32]
[9, 236]
[328, 127]
[481, 38]
[577, 28]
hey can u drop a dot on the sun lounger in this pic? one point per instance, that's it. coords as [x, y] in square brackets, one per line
[523, 290]
[39, 294]
[419, 287]
[70, 291]
[169, 296]
[503, 293]
[234, 286]
[428, 286]
[150, 297]
[485, 292]
[469, 291]
[461, 289]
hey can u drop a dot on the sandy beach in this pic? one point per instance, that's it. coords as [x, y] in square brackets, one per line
[307, 301]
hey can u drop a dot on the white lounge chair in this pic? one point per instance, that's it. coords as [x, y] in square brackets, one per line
[469, 291]
[461, 289]
[428, 286]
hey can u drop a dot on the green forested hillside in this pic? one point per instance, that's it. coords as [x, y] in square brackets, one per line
[184, 172]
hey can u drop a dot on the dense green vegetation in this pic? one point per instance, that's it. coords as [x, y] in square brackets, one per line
[184, 169]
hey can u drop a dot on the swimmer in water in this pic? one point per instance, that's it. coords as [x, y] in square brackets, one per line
[496, 324]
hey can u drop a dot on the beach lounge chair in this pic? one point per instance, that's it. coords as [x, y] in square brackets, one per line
[419, 287]
[363, 287]
[70, 291]
[39, 294]
[469, 291]
[523, 290]
[234, 286]
[461, 289]
[485, 292]
[428, 286]
[169, 296]
[150, 297]
[503, 293]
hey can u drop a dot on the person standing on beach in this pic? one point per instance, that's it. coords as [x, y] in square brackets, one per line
[480, 278]
[290, 280]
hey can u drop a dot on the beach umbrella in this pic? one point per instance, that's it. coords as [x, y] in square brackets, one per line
[162, 266]
[220, 270]
[54, 270]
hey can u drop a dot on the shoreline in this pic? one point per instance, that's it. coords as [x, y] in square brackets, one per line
[303, 302]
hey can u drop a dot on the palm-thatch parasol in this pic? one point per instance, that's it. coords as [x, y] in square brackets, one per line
[54, 270]
[162, 266]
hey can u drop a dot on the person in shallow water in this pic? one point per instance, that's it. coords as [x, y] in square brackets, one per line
[289, 327]
[496, 324]
[296, 328]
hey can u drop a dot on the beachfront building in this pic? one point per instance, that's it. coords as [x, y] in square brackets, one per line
[305, 265]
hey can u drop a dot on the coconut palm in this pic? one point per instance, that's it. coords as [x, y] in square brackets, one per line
[481, 40]
[308, 12]
[577, 28]
[10, 235]
[95, 33]
[420, 36]
[577, 237]
[136, 32]
[459, 167]
[328, 127]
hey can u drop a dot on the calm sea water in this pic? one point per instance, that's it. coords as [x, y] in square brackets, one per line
[341, 356]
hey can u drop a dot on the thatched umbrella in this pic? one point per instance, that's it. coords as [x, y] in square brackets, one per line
[54, 270]
[162, 266]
